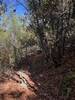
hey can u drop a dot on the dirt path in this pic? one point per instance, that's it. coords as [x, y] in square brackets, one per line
[17, 86]
[44, 84]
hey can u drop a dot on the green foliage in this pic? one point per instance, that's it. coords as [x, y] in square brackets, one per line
[67, 84]
[14, 35]
[3, 35]
[27, 37]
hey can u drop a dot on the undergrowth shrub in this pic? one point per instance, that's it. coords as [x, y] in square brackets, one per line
[67, 83]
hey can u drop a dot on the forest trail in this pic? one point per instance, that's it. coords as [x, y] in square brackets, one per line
[44, 84]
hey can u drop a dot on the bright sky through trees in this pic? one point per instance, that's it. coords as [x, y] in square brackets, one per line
[20, 9]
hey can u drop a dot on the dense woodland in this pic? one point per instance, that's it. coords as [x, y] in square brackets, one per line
[37, 50]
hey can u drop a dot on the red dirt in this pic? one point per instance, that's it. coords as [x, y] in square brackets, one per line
[14, 88]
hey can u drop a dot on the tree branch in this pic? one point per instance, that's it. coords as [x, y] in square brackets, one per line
[21, 4]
